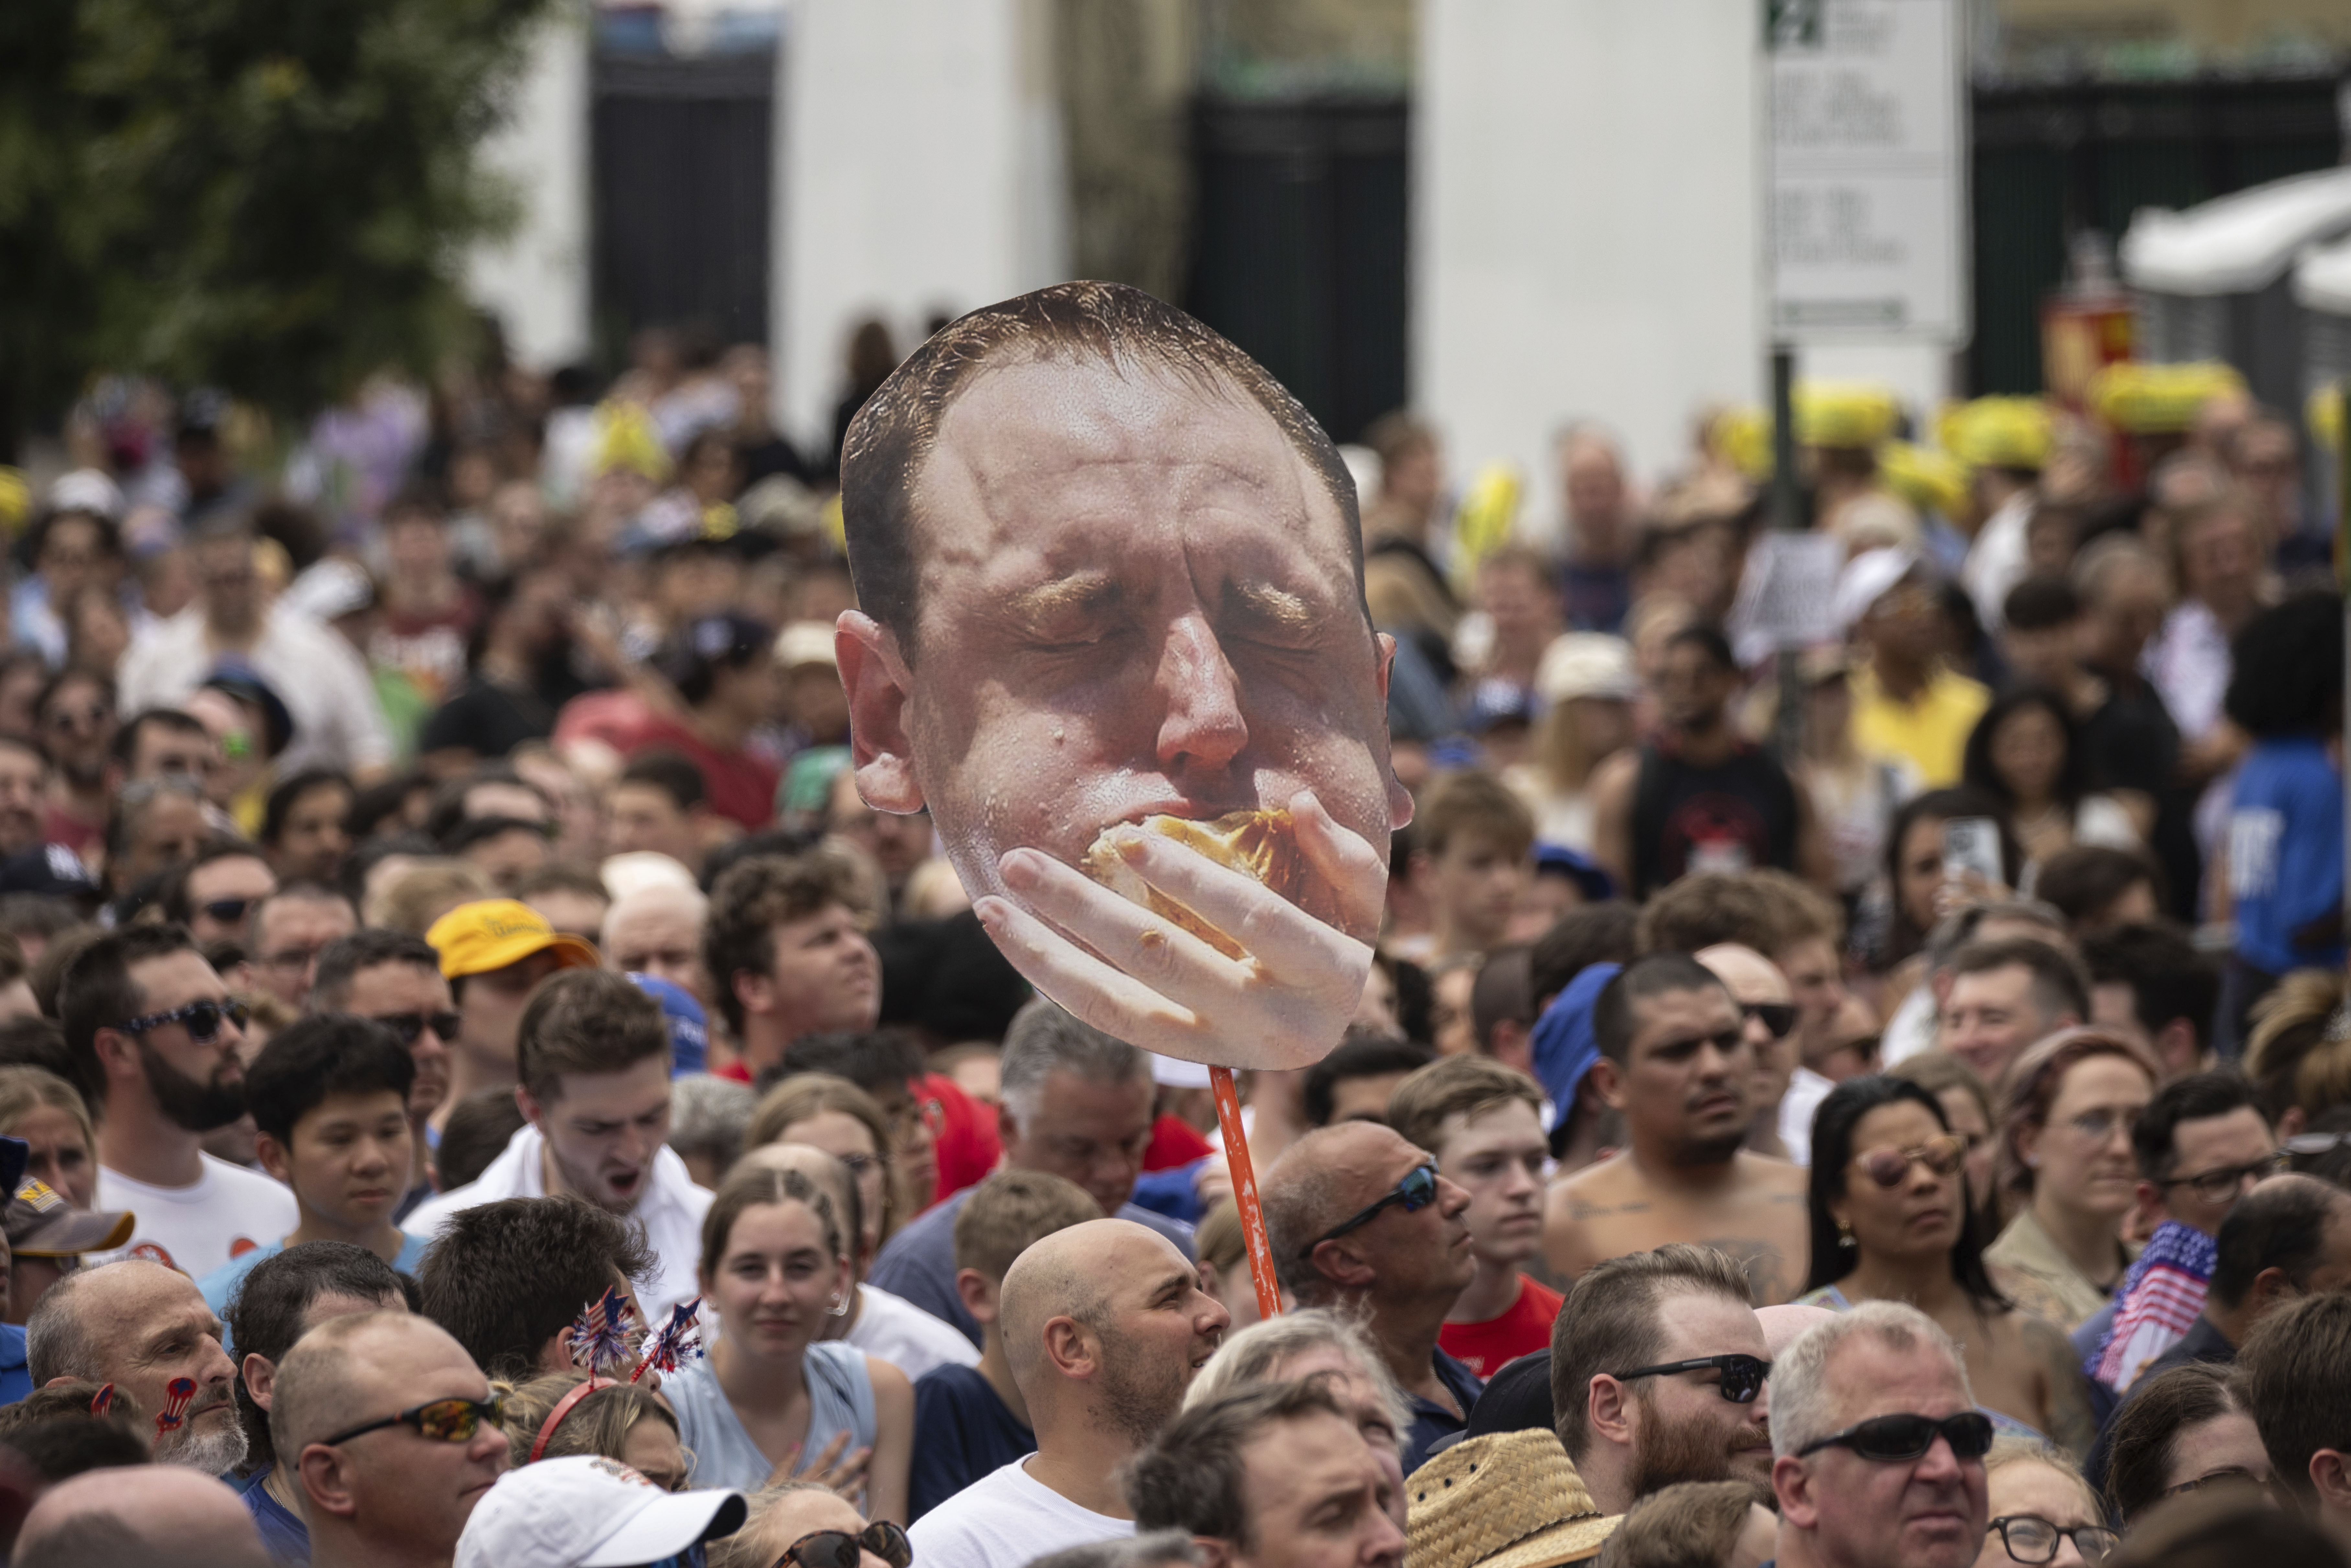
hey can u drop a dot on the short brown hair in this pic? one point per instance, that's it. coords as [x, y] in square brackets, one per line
[1473, 802]
[754, 1187]
[2033, 1083]
[755, 896]
[2149, 1424]
[585, 1021]
[1467, 1086]
[888, 445]
[1609, 1322]
[1010, 1212]
[808, 1094]
[2060, 984]
[1690, 1522]
[1804, 913]
[1707, 908]
[2295, 1372]
[1190, 1477]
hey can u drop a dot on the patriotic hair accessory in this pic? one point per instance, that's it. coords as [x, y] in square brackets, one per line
[564, 1406]
[183, 1392]
[680, 1340]
[600, 1335]
[103, 1400]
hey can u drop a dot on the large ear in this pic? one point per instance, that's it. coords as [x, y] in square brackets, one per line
[524, 1101]
[1608, 1081]
[260, 1375]
[879, 682]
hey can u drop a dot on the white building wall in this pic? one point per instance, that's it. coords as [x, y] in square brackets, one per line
[1586, 225]
[536, 280]
[919, 168]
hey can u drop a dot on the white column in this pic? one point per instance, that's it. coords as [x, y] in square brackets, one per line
[536, 279]
[1586, 225]
[919, 168]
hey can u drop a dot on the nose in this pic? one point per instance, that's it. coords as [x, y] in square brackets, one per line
[1382, 1541]
[1938, 1463]
[2068, 1554]
[1450, 1199]
[1203, 728]
[216, 1367]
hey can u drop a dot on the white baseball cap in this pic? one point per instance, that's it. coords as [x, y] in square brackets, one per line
[588, 1512]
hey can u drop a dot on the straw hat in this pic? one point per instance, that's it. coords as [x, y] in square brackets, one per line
[1508, 1500]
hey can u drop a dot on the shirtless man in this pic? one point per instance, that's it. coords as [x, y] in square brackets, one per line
[1677, 1064]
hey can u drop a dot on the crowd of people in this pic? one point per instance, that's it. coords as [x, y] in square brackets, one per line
[480, 1085]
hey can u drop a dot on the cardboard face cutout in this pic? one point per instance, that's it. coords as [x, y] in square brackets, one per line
[1114, 639]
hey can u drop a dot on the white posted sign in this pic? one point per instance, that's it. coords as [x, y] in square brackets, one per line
[1868, 171]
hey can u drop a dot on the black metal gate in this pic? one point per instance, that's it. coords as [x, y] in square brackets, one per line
[1298, 246]
[2052, 160]
[683, 151]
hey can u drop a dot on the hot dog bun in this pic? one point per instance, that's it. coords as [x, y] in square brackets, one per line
[1261, 844]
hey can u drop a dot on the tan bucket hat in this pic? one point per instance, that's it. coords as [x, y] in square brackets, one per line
[1508, 1500]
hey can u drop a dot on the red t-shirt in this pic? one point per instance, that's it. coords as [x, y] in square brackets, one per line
[964, 1141]
[1485, 1348]
[1173, 1141]
[740, 786]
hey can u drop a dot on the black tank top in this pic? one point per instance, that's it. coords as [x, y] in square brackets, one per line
[1735, 816]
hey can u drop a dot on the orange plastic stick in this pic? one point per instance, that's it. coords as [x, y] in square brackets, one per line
[1237, 1160]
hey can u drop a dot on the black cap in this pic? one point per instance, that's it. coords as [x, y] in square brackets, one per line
[1517, 1399]
[52, 871]
[711, 643]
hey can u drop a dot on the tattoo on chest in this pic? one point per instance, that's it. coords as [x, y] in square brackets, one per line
[1760, 1260]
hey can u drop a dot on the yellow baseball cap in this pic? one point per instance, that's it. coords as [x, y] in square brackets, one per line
[2158, 399]
[491, 933]
[1999, 433]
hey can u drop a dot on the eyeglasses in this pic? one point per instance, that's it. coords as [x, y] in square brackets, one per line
[442, 1420]
[2099, 1126]
[2222, 1182]
[838, 1548]
[2032, 1539]
[1895, 1439]
[203, 1020]
[1742, 1375]
[410, 1026]
[1778, 1018]
[1415, 1192]
[1943, 1154]
[226, 911]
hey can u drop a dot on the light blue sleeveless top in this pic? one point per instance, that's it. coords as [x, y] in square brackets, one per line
[841, 1398]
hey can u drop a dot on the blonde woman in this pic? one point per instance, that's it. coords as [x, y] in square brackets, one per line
[47, 1112]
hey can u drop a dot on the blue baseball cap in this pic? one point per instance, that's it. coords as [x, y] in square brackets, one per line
[689, 1027]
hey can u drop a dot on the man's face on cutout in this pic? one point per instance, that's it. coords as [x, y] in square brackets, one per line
[1137, 599]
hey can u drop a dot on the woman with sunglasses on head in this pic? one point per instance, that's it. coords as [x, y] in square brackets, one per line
[798, 1524]
[2067, 1108]
[573, 1413]
[1891, 1221]
[773, 1399]
[2181, 1431]
[2041, 1511]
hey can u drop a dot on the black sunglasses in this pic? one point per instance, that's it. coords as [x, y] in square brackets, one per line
[203, 1020]
[1778, 1018]
[1416, 1191]
[443, 1420]
[409, 1026]
[228, 911]
[1897, 1439]
[1742, 1375]
[838, 1548]
[2031, 1539]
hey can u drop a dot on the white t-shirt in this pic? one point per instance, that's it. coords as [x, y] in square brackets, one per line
[891, 1328]
[1004, 1519]
[228, 1211]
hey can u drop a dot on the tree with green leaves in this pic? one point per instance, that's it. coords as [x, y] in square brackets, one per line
[271, 196]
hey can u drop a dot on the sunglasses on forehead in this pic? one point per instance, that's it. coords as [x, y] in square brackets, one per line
[201, 1019]
[1416, 1191]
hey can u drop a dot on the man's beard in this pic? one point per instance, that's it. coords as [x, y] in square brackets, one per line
[215, 1451]
[195, 1104]
[1695, 1451]
[1138, 1398]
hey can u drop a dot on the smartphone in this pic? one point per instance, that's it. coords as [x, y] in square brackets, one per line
[1972, 844]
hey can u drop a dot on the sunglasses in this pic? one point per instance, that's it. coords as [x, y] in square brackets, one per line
[442, 1420]
[838, 1548]
[203, 1020]
[1415, 1192]
[1778, 1018]
[228, 911]
[1943, 1154]
[2030, 1538]
[1742, 1375]
[409, 1027]
[1897, 1439]
[2221, 1183]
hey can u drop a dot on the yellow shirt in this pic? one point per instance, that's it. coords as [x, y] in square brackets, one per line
[1931, 734]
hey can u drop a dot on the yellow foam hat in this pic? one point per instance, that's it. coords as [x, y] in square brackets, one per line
[1928, 479]
[628, 439]
[1743, 436]
[1490, 510]
[2324, 415]
[1998, 432]
[2158, 399]
[15, 498]
[1845, 413]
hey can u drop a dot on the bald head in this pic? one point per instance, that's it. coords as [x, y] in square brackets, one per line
[1321, 1180]
[1783, 1325]
[657, 931]
[362, 1368]
[1071, 1274]
[1749, 976]
[122, 1518]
